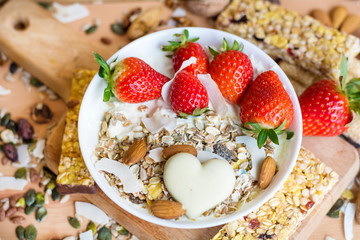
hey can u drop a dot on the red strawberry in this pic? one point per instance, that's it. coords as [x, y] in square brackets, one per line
[267, 108]
[327, 107]
[187, 95]
[232, 71]
[131, 80]
[186, 49]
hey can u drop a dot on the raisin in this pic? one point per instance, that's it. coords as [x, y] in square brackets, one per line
[10, 152]
[25, 130]
[254, 223]
[13, 67]
[310, 204]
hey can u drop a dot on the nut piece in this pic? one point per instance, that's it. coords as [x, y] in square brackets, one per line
[135, 153]
[167, 209]
[357, 210]
[321, 16]
[174, 149]
[17, 219]
[34, 175]
[267, 172]
[351, 23]
[206, 8]
[338, 15]
[10, 212]
[41, 113]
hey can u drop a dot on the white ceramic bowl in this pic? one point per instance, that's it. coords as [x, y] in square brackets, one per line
[148, 48]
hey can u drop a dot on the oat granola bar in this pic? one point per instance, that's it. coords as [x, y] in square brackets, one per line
[73, 175]
[279, 217]
[284, 34]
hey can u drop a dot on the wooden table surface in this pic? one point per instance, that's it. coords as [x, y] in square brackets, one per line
[18, 104]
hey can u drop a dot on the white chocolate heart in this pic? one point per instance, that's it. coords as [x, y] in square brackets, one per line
[199, 187]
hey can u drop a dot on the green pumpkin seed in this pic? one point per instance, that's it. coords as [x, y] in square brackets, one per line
[123, 231]
[334, 211]
[334, 214]
[51, 185]
[20, 202]
[35, 82]
[118, 29]
[40, 214]
[40, 199]
[30, 197]
[91, 226]
[45, 5]
[55, 195]
[74, 222]
[30, 232]
[104, 234]
[5, 119]
[49, 173]
[20, 173]
[30, 209]
[20, 232]
[91, 29]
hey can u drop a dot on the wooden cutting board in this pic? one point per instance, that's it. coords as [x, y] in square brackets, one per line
[335, 152]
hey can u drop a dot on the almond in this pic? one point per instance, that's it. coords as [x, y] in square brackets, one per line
[351, 23]
[135, 153]
[357, 209]
[338, 15]
[321, 16]
[174, 149]
[167, 209]
[267, 172]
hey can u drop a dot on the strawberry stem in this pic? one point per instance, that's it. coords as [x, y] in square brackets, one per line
[225, 47]
[105, 73]
[175, 45]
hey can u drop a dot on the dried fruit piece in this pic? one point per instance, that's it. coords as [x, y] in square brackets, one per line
[167, 209]
[25, 130]
[41, 113]
[135, 153]
[20, 202]
[267, 172]
[338, 15]
[174, 149]
[322, 16]
[347, 194]
[254, 223]
[72, 103]
[30, 232]
[10, 152]
[74, 222]
[20, 232]
[351, 23]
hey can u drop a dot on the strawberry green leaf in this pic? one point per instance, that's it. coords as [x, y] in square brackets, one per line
[182, 114]
[194, 39]
[102, 73]
[256, 126]
[186, 34]
[273, 136]
[278, 129]
[241, 47]
[262, 137]
[343, 71]
[235, 46]
[102, 63]
[107, 94]
[289, 135]
[213, 52]
[225, 45]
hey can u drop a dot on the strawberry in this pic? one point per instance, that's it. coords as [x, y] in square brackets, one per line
[327, 107]
[232, 71]
[267, 108]
[187, 95]
[131, 80]
[186, 49]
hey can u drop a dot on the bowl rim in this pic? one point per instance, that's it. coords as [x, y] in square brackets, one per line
[253, 204]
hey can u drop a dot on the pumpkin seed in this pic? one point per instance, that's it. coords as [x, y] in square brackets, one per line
[123, 231]
[40, 199]
[20, 202]
[49, 173]
[74, 222]
[30, 232]
[5, 119]
[334, 214]
[55, 195]
[91, 226]
[45, 5]
[20, 232]
[30, 197]
[51, 185]
[118, 29]
[91, 29]
[334, 211]
[20, 173]
[30, 209]
[35, 82]
[40, 214]
[104, 234]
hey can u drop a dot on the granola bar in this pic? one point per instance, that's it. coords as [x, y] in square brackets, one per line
[279, 217]
[73, 175]
[284, 34]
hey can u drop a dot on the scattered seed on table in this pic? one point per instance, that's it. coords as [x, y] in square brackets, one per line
[74, 222]
[106, 41]
[20, 232]
[30, 232]
[17, 219]
[91, 226]
[12, 125]
[39, 199]
[10, 212]
[35, 82]
[13, 67]
[123, 231]
[118, 29]
[41, 113]
[25, 130]
[30, 209]
[20, 202]
[40, 214]
[10, 152]
[91, 29]
[5, 119]
[20, 173]
[30, 197]
[55, 195]
[104, 234]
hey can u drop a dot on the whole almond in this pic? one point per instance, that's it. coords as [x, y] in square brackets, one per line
[338, 15]
[11, 211]
[267, 172]
[321, 16]
[351, 23]
[17, 219]
[357, 210]
[135, 153]
[174, 149]
[167, 209]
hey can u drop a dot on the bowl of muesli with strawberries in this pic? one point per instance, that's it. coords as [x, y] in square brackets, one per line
[189, 127]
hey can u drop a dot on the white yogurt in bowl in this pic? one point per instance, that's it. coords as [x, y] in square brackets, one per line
[159, 114]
